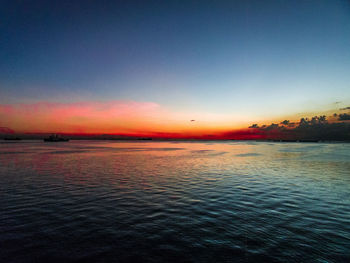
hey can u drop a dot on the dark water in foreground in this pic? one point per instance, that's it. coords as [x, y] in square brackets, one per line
[174, 201]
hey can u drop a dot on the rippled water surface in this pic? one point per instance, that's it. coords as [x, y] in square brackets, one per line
[174, 202]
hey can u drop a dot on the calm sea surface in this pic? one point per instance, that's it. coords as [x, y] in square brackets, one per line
[174, 202]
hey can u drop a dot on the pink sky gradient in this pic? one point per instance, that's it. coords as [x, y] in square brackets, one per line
[113, 117]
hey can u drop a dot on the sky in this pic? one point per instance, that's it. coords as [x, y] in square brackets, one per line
[153, 66]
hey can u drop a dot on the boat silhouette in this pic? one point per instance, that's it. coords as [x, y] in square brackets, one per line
[55, 138]
[12, 139]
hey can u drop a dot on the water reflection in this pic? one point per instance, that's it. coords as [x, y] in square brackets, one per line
[175, 201]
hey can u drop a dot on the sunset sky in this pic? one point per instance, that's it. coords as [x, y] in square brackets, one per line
[141, 67]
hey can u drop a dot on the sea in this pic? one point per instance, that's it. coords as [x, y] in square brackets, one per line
[174, 201]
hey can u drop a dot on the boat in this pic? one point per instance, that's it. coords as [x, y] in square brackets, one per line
[309, 140]
[12, 139]
[55, 138]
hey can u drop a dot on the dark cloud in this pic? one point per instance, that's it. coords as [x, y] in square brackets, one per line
[315, 128]
[346, 108]
[272, 126]
[313, 121]
[285, 122]
[254, 126]
[344, 117]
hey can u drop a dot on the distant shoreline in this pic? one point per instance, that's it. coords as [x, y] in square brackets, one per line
[19, 140]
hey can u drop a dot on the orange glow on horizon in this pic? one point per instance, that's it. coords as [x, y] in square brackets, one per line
[114, 117]
[125, 118]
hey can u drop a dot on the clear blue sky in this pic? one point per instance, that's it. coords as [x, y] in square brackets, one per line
[257, 58]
